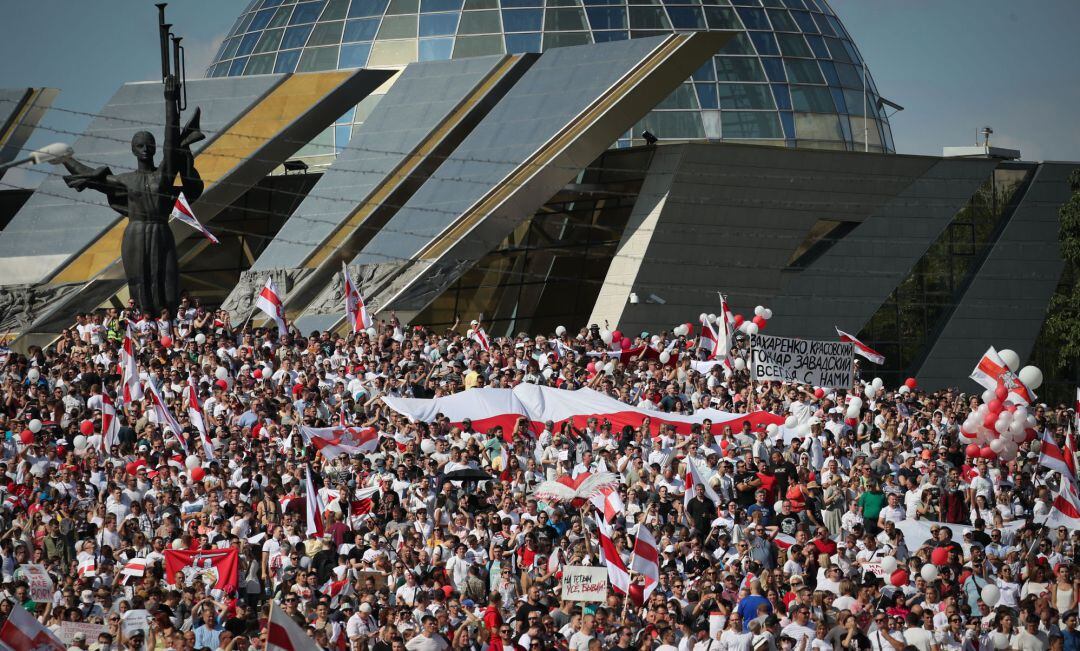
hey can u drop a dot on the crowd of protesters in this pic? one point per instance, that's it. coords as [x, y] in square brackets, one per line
[790, 559]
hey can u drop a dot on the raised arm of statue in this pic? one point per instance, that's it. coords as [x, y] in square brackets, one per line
[171, 156]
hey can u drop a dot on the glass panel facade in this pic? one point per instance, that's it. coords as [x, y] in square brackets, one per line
[773, 44]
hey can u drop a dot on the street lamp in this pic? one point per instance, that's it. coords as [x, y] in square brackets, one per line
[55, 154]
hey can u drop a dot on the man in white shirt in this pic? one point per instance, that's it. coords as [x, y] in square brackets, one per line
[798, 629]
[429, 638]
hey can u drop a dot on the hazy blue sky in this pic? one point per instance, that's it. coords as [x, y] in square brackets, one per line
[955, 65]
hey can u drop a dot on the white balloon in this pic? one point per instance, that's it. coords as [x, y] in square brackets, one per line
[33, 374]
[192, 462]
[997, 445]
[679, 331]
[803, 430]
[1008, 454]
[427, 446]
[767, 314]
[655, 339]
[852, 411]
[791, 422]
[870, 391]
[609, 368]
[988, 395]
[1002, 425]
[878, 383]
[929, 572]
[1031, 376]
[888, 564]
[1011, 359]
[740, 364]
[1031, 421]
[759, 310]
[221, 373]
[200, 339]
[712, 318]
[1036, 446]
[903, 389]
[605, 335]
[177, 543]
[1016, 431]
[79, 442]
[560, 331]
[856, 402]
[751, 328]
[34, 426]
[990, 594]
[703, 317]
[771, 429]
[665, 357]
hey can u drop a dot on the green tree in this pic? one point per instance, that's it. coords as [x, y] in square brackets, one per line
[1063, 320]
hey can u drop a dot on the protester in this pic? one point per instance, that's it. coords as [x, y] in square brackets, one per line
[172, 493]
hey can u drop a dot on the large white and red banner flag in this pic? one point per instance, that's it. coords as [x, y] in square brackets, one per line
[336, 441]
[217, 568]
[23, 632]
[488, 407]
[283, 634]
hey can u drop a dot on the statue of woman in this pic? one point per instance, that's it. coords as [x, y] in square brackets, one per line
[146, 196]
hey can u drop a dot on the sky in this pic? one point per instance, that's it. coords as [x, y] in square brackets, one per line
[954, 65]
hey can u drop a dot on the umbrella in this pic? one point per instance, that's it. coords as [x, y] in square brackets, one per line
[468, 474]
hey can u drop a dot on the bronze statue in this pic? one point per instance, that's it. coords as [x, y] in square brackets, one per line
[147, 195]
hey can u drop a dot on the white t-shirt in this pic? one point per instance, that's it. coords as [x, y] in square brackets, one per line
[919, 638]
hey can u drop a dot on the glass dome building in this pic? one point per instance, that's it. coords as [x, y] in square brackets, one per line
[791, 75]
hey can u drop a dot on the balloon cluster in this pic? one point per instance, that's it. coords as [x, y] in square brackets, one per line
[998, 427]
[615, 340]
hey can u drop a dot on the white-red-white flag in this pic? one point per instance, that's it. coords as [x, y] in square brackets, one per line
[1053, 457]
[336, 441]
[608, 502]
[165, 417]
[707, 340]
[479, 336]
[283, 634]
[355, 308]
[182, 212]
[363, 501]
[315, 509]
[618, 575]
[646, 559]
[271, 304]
[992, 372]
[195, 415]
[87, 565]
[23, 632]
[861, 349]
[723, 332]
[133, 569]
[693, 479]
[1065, 509]
[129, 370]
[110, 424]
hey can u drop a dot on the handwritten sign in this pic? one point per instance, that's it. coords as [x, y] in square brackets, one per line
[135, 620]
[875, 568]
[91, 631]
[818, 363]
[41, 584]
[582, 583]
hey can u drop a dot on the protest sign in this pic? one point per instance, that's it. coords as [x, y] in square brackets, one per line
[817, 363]
[135, 620]
[39, 581]
[582, 583]
[91, 631]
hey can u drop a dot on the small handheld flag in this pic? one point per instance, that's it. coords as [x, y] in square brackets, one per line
[182, 211]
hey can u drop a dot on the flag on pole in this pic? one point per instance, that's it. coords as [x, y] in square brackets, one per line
[861, 349]
[23, 632]
[165, 417]
[478, 335]
[365, 501]
[110, 424]
[129, 370]
[271, 304]
[992, 372]
[646, 559]
[314, 509]
[1065, 509]
[195, 415]
[355, 307]
[283, 634]
[693, 480]
[608, 502]
[133, 569]
[618, 575]
[182, 212]
[1053, 457]
[707, 339]
[723, 334]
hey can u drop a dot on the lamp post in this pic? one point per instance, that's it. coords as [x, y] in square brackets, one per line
[54, 154]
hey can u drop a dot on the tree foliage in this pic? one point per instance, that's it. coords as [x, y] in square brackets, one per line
[1063, 321]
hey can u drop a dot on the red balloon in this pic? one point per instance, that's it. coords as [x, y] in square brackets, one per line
[994, 406]
[131, 468]
[166, 341]
[1001, 392]
[625, 344]
[852, 422]
[987, 453]
[1031, 435]
[87, 427]
[899, 578]
[819, 393]
[197, 474]
[738, 320]
[591, 367]
[759, 321]
[257, 373]
[940, 556]
[222, 384]
[689, 329]
[989, 421]
[616, 335]
[26, 436]
[911, 383]
[972, 450]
